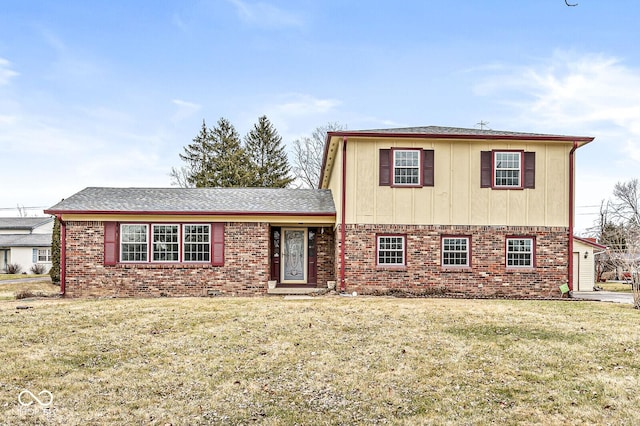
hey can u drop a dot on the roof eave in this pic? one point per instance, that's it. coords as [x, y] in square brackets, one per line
[522, 137]
[186, 213]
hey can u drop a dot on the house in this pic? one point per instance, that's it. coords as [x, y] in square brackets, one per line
[585, 251]
[25, 241]
[424, 210]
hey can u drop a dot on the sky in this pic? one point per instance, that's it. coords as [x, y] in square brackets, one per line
[109, 93]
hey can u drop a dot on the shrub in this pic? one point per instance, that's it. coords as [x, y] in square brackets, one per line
[28, 294]
[38, 269]
[13, 268]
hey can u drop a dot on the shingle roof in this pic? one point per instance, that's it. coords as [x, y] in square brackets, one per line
[199, 201]
[23, 223]
[459, 131]
[25, 240]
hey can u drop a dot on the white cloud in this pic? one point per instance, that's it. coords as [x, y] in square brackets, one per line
[265, 15]
[185, 109]
[299, 104]
[6, 73]
[580, 94]
[572, 91]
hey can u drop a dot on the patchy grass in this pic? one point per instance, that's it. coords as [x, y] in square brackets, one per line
[621, 287]
[330, 360]
[21, 290]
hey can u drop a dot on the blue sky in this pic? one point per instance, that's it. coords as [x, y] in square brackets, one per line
[108, 93]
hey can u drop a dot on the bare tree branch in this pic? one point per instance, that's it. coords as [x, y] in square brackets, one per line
[308, 153]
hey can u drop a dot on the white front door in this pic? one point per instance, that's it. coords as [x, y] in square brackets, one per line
[294, 256]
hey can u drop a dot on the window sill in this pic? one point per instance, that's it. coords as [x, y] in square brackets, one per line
[160, 265]
[396, 185]
[391, 268]
[464, 269]
[527, 270]
[507, 188]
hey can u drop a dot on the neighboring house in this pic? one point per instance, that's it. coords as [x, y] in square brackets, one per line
[585, 251]
[425, 210]
[25, 241]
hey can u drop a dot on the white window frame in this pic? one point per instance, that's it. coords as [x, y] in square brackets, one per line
[455, 251]
[497, 167]
[391, 239]
[395, 166]
[155, 244]
[145, 242]
[530, 253]
[203, 243]
[44, 255]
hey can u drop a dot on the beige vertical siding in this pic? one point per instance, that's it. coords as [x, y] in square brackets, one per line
[456, 198]
[586, 268]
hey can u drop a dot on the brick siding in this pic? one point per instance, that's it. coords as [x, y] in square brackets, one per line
[245, 271]
[325, 250]
[423, 274]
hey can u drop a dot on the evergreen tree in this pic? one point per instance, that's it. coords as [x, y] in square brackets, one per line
[197, 155]
[216, 158]
[229, 164]
[267, 155]
[54, 272]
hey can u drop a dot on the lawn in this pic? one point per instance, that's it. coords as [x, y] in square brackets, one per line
[39, 288]
[328, 360]
[617, 286]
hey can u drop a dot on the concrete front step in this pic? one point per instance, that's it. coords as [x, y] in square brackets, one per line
[293, 290]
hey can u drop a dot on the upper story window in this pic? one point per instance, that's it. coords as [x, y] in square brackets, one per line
[391, 250]
[406, 167]
[520, 252]
[507, 169]
[455, 251]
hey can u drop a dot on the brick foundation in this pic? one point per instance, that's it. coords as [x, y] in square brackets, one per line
[423, 274]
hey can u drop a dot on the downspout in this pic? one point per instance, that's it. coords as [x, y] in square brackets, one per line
[63, 254]
[343, 214]
[572, 166]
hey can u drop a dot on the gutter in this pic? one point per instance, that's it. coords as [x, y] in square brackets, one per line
[63, 254]
[343, 220]
[572, 166]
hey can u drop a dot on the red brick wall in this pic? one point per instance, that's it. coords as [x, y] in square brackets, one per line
[325, 248]
[423, 274]
[245, 270]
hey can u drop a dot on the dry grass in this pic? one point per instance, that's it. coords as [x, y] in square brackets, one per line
[329, 360]
[621, 287]
[21, 290]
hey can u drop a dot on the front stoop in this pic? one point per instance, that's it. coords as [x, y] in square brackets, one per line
[292, 290]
